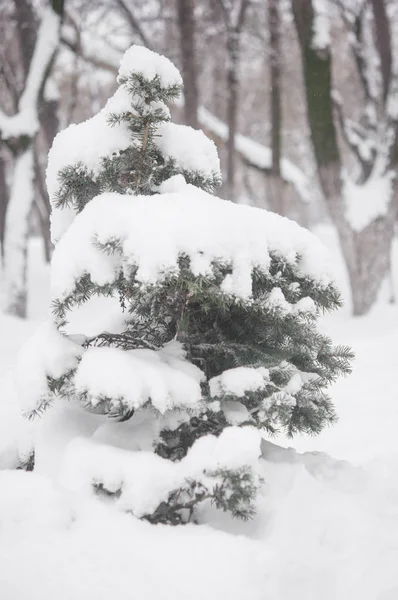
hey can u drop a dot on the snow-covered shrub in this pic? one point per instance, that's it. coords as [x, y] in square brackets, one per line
[218, 304]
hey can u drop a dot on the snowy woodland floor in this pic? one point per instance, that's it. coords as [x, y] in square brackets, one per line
[326, 527]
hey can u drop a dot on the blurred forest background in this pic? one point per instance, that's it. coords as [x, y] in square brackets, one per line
[300, 96]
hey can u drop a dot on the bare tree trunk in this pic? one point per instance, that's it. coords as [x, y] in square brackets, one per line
[17, 231]
[26, 28]
[366, 252]
[22, 194]
[3, 204]
[42, 206]
[186, 24]
[275, 184]
[234, 30]
[49, 123]
[232, 106]
[383, 42]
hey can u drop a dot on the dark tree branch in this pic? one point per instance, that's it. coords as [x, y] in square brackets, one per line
[383, 43]
[26, 27]
[186, 23]
[134, 22]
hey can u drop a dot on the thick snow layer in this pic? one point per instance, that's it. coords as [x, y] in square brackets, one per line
[256, 154]
[321, 25]
[139, 59]
[193, 223]
[144, 478]
[137, 376]
[365, 202]
[84, 550]
[238, 381]
[189, 147]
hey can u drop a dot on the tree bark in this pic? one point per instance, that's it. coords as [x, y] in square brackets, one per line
[366, 252]
[186, 25]
[17, 229]
[232, 106]
[23, 190]
[26, 28]
[3, 204]
[383, 43]
[234, 30]
[275, 184]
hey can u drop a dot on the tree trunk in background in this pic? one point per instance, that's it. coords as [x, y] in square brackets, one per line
[3, 205]
[383, 42]
[275, 184]
[234, 29]
[17, 231]
[366, 252]
[23, 191]
[232, 108]
[26, 27]
[186, 24]
[49, 123]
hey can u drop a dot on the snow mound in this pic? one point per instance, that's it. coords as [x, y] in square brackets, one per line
[193, 224]
[144, 479]
[102, 553]
[149, 64]
[238, 381]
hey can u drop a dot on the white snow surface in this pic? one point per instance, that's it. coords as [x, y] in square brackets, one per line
[189, 147]
[144, 478]
[137, 376]
[238, 381]
[325, 528]
[365, 202]
[194, 223]
[139, 59]
[321, 25]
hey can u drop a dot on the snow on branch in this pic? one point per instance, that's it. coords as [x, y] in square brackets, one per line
[25, 122]
[236, 235]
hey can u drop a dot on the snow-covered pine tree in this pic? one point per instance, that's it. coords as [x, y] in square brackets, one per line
[218, 305]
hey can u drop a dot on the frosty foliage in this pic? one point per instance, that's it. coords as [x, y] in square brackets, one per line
[218, 303]
[133, 127]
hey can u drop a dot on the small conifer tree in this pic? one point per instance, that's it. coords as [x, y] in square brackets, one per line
[218, 302]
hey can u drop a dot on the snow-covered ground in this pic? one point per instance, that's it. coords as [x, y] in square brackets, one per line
[326, 526]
